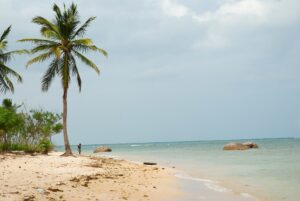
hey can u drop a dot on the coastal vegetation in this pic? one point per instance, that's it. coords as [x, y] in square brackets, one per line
[27, 131]
[63, 42]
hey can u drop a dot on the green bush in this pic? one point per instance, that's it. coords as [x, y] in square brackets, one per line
[45, 146]
[17, 147]
[27, 131]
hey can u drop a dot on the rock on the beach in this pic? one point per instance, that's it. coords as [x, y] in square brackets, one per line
[240, 146]
[102, 149]
[53, 189]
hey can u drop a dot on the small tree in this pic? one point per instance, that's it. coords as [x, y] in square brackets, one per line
[27, 131]
[10, 123]
[40, 126]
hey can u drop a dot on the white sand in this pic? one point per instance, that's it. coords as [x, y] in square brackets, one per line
[82, 178]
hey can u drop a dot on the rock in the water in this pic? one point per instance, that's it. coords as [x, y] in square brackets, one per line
[240, 146]
[235, 146]
[102, 149]
[251, 145]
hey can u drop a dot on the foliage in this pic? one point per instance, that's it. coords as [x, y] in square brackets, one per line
[6, 72]
[62, 42]
[28, 131]
[10, 123]
[45, 146]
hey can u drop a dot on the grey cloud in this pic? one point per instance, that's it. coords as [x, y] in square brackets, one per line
[171, 77]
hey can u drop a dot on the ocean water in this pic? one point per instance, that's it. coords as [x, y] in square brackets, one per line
[206, 172]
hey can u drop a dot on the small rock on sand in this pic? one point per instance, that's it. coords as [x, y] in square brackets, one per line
[149, 163]
[54, 189]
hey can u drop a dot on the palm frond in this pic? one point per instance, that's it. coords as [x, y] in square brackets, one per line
[5, 33]
[47, 24]
[102, 51]
[37, 41]
[66, 21]
[7, 56]
[5, 82]
[75, 71]
[82, 41]
[81, 31]
[8, 71]
[57, 10]
[86, 48]
[40, 58]
[87, 61]
[48, 33]
[50, 74]
[3, 45]
[4, 86]
[42, 48]
[9, 84]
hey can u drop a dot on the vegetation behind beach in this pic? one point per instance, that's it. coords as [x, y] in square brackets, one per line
[28, 131]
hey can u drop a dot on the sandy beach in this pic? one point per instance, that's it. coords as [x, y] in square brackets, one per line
[52, 177]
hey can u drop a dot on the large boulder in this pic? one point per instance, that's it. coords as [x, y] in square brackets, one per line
[235, 146]
[240, 146]
[251, 145]
[102, 149]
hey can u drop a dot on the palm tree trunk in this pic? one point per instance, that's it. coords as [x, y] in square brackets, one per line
[68, 150]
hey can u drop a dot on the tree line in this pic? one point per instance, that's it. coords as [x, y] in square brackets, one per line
[62, 43]
[29, 131]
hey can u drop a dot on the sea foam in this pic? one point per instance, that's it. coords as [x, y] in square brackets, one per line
[210, 184]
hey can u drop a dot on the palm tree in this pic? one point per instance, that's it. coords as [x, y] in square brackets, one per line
[6, 72]
[63, 43]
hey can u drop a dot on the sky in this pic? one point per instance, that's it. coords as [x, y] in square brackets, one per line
[177, 69]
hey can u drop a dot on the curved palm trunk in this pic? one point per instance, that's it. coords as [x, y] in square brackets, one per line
[68, 150]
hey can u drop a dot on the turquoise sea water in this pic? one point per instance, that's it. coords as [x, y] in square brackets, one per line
[271, 172]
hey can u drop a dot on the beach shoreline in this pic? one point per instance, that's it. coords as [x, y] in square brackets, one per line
[108, 177]
[270, 173]
[196, 188]
[53, 177]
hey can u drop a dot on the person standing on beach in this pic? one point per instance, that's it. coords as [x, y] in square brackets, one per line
[79, 148]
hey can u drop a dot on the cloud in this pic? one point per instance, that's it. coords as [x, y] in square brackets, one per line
[235, 11]
[275, 12]
[237, 18]
[174, 9]
[187, 56]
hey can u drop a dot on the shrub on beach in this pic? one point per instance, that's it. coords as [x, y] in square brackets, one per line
[45, 146]
[27, 131]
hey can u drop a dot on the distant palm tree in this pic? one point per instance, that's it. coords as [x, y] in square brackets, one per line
[62, 42]
[6, 72]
